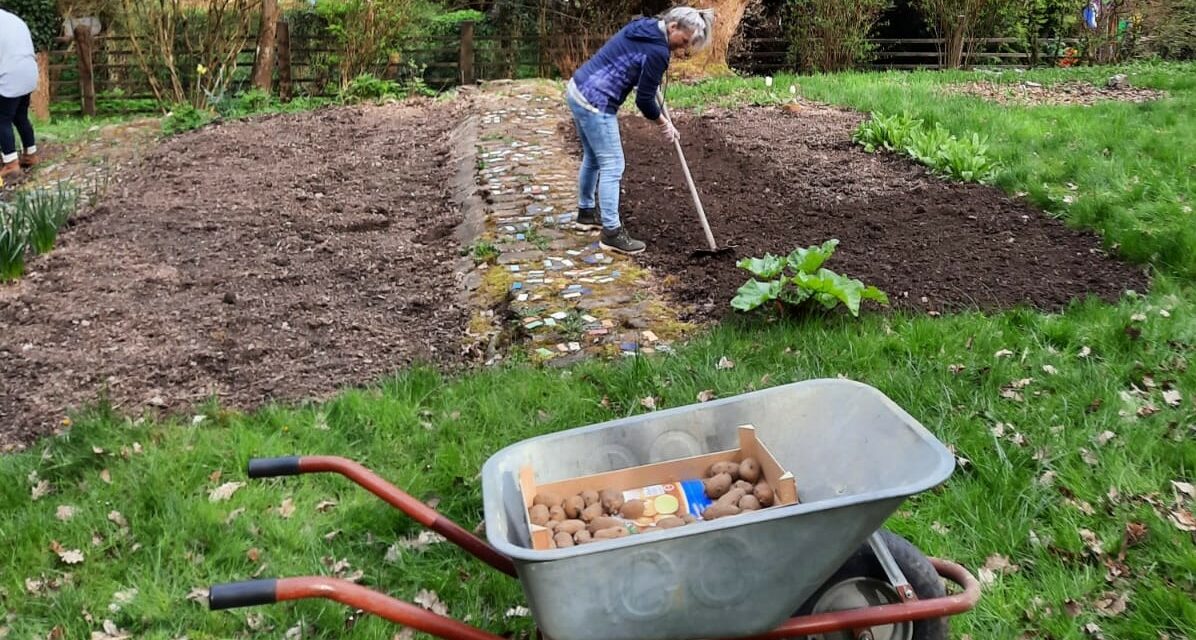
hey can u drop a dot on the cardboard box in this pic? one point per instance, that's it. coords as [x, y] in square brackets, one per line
[654, 481]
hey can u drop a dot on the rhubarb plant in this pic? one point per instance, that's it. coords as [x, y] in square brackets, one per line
[800, 277]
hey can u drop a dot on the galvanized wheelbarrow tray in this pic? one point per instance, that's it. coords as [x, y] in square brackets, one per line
[855, 454]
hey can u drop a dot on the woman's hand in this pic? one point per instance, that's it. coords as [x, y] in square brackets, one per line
[670, 132]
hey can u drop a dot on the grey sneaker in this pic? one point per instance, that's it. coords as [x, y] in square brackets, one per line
[619, 240]
[588, 218]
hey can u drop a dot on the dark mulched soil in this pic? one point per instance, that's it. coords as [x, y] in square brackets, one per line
[279, 258]
[774, 179]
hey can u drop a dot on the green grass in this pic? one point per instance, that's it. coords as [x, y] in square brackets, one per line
[431, 435]
[67, 129]
[1133, 165]
[1027, 494]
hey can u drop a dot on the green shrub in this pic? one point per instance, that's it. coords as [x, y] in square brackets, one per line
[185, 117]
[43, 19]
[832, 35]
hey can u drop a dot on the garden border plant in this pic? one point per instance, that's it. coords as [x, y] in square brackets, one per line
[965, 159]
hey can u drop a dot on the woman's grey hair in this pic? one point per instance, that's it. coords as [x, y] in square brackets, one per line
[698, 22]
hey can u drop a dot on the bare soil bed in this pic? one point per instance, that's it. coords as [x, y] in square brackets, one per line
[772, 180]
[274, 259]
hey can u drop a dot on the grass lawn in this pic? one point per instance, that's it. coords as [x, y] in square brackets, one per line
[1075, 427]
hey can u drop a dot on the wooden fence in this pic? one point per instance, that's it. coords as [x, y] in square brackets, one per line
[106, 68]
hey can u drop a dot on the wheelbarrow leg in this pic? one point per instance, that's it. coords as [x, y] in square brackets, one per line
[399, 499]
[257, 592]
[887, 562]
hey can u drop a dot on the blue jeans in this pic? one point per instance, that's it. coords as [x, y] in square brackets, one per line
[601, 162]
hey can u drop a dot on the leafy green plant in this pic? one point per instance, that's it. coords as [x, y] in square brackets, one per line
[963, 159]
[832, 35]
[484, 251]
[889, 132]
[799, 277]
[185, 117]
[370, 87]
[14, 240]
[44, 211]
[536, 238]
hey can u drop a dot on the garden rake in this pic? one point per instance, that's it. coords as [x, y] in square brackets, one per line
[714, 249]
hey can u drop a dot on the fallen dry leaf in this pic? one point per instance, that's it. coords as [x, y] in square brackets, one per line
[110, 632]
[939, 528]
[1072, 608]
[254, 621]
[106, 476]
[1138, 317]
[121, 598]
[1088, 457]
[517, 612]
[215, 476]
[1105, 437]
[1049, 370]
[40, 490]
[287, 508]
[116, 518]
[1182, 519]
[325, 505]
[232, 515]
[725, 363]
[1047, 478]
[1147, 409]
[994, 565]
[66, 512]
[956, 368]
[1092, 542]
[1111, 604]
[224, 491]
[69, 556]
[198, 594]
[998, 430]
[1172, 397]
[706, 395]
[648, 403]
[1185, 488]
[1003, 353]
[294, 633]
[1085, 352]
[1022, 383]
[1011, 394]
[1135, 534]
[56, 633]
[1094, 630]
[430, 601]
[331, 535]
[253, 555]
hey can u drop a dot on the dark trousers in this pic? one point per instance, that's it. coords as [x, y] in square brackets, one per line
[15, 112]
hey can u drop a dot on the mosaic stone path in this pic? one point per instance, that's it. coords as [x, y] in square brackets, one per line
[538, 280]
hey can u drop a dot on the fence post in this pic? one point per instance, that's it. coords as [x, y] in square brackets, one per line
[466, 58]
[282, 41]
[85, 45]
[267, 38]
[39, 103]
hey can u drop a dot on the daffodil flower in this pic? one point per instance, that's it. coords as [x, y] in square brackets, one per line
[201, 70]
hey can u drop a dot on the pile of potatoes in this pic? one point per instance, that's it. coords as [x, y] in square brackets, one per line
[592, 516]
[735, 487]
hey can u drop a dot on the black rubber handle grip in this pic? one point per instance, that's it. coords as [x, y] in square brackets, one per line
[272, 467]
[242, 594]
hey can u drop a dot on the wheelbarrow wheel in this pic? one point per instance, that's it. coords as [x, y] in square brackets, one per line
[861, 581]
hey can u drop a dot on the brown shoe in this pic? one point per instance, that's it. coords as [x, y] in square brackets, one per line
[9, 169]
[28, 159]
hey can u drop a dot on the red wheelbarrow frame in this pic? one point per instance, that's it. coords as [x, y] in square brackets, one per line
[258, 592]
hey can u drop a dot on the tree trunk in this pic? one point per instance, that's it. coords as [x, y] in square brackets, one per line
[263, 63]
[712, 61]
[39, 102]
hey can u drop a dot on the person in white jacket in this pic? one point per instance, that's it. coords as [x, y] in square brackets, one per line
[18, 79]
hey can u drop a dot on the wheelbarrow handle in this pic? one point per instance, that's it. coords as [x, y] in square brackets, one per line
[256, 592]
[396, 497]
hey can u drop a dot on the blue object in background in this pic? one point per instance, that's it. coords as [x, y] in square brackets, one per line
[1091, 12]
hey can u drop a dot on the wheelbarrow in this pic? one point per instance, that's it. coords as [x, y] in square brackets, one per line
[822, 568]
